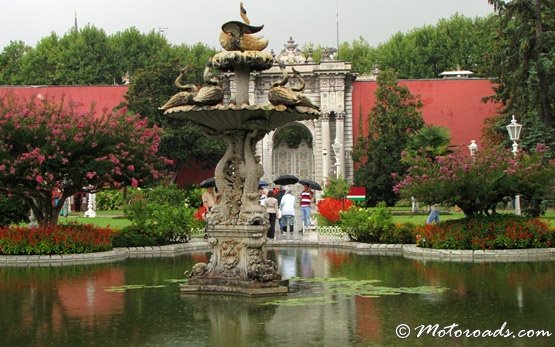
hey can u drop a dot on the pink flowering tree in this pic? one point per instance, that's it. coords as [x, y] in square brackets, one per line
[47, 146]
[477, 184]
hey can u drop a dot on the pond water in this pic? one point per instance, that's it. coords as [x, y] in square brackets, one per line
[337, 299]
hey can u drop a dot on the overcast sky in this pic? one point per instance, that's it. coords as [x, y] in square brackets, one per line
[186, 21]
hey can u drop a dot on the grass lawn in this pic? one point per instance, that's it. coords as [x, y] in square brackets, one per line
[112, 219]
[115, 219]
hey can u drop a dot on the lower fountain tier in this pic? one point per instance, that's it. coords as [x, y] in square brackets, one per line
[238, 264]
[226, 286]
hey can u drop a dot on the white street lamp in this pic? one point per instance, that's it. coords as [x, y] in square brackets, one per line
[514, 134]
[337, 151]
[324, 165]
[473, 147]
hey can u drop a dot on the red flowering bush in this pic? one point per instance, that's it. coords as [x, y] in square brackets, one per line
[55, 239]
[330, 208]
[47, 145]
[477, 184]
[494, 232]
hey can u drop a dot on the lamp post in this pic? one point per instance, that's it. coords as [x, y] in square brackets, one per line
[337, 151]
[324, 165]
[514, 134]
[473, 147]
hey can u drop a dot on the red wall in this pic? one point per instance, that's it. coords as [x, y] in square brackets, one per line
[104, 97]
[452, 103]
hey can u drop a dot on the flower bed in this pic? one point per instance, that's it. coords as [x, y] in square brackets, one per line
[55, 239]
[492, 232]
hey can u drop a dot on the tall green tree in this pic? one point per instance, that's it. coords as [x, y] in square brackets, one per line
[134, 50]
[11, 62]
[40, 65]
[395, 116]
[427, 51]
[152, 87]
[525, 62]
[86, 57]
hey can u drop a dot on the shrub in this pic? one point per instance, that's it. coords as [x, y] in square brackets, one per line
[109, 200]
[161, 214]
[401, 233]
[55, 239]
[492, 232]
[13, 210]
[330, 208]
[363, 225]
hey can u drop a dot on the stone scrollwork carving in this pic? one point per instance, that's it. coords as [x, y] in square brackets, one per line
[260, 269]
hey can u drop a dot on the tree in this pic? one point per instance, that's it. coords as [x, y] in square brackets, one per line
[427, 51]
[430, 142]
[476, 184]
[39, 65]
[524, 60]
[135, 51]
[11, 62]
[86, 57]
[46, 145]
[395, 116]
[152, 87]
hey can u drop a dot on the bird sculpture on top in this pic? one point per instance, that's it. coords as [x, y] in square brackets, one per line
[303, 99]
[289, 97]
[212, 93]
[237, 36]
[182, 98]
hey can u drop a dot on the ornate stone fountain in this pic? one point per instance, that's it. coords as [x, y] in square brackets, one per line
[237, 225]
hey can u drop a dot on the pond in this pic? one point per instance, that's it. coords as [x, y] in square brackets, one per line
[337, 299]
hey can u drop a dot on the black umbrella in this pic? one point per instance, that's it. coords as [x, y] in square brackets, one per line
[209, 182]
[311, 184]
[286, 179]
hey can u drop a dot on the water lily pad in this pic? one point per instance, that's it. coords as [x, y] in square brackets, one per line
[120, 289]
[318, 291]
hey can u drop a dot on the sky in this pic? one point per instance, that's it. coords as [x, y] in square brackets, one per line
[189, 22]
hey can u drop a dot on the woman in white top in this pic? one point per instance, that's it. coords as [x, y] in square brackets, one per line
[272, 209]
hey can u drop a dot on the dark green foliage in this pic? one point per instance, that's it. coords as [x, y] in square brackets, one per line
[395, 116]
[524, 60]
[364, 225]
[13, 210]
[336, 188]
[182, 141]
[427, 51]
[292, 136]
[109, 200]
[160, 215]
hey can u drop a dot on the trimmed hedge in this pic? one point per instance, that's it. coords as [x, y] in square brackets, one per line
[55, 239]
[486, 232]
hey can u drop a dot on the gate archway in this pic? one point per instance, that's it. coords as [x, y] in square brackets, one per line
[293, 151]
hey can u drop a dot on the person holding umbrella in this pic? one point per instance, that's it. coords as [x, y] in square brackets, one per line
[287, 206]
[306, 203]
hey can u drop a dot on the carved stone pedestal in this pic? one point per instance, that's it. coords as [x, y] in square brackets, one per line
[238, 264]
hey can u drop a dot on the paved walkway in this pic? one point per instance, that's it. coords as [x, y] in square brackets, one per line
[199, 245]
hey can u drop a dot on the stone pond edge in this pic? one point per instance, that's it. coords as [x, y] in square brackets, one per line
[409, 251]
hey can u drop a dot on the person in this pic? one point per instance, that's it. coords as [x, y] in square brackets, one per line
[262, 195]
[287, 207]
[306, 202]
[433, 218]
[272, 209]
[208, 198]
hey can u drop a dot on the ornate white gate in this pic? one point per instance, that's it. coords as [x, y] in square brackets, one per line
[293, 161]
